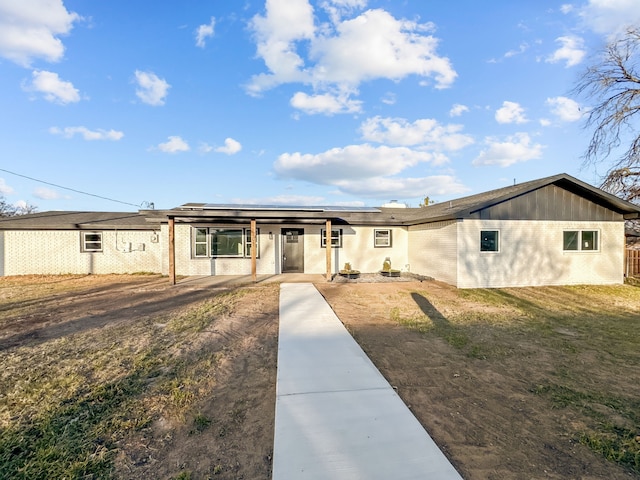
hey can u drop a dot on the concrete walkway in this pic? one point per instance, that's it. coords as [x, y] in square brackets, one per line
[336, 416]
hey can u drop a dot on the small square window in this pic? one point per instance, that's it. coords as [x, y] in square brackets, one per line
[91, 241]
[489, 241]
[336, 238]
[382, 238]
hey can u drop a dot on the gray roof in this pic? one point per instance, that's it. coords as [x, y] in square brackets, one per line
[466, 206]
[59, 220]
[202, 212]
[449, 210]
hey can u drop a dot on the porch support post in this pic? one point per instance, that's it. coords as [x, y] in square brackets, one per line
[327, 232]
[254, 250]
[172, 251]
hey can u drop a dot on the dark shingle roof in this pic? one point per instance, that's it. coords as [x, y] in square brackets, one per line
[464, 207]
[76, 220]
[201, 212]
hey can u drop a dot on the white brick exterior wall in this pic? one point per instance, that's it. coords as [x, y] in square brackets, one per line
[531, 253]
[187, 264]
[59, 251]
[433, 250]
[357, 248]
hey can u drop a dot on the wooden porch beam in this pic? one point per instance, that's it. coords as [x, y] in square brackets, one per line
[327, 232]
[172, 251]
[254, 251]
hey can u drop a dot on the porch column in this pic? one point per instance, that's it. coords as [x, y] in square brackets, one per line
[327, 232]
[172, 251]
[254, 250]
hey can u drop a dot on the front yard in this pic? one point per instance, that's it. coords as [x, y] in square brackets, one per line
[127, 377]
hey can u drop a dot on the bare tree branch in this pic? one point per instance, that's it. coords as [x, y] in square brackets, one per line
[614, 86]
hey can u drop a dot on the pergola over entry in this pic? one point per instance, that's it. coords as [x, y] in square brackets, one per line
[197, 213]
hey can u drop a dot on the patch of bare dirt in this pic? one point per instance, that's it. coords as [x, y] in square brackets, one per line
[476, 399]
[226, 429]
[482, 411]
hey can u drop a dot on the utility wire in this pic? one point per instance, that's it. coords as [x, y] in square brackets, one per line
[70, 189]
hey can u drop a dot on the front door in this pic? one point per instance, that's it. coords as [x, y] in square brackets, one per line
[292, 250]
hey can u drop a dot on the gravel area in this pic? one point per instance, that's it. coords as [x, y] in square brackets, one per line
[379, 278]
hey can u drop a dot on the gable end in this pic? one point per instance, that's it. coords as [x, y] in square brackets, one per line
[550, 203]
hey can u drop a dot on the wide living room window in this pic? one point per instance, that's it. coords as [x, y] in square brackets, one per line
[223, 242]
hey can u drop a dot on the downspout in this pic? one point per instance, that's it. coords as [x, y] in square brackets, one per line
[172, 251]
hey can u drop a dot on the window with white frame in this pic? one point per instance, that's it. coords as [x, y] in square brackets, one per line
[489, 241]
[200, 242]
[247, 242]
[336, 238]
[382, 237]
[580, 240]
[223, 242]
[91, 241]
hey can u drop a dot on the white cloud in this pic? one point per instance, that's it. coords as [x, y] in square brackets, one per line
[44, 193]
[610, 17]
[349, 163]
[205, 148]
[515, 149]
[152, 90]
[566, 109]
[326, 103]
[52, 87]
[345, 53]
[338, 8]
[31, 29]
[566, 8]
[458, 110]
[510, 112]
[377, 45]
[285, 23]
[385, 188]
[545, 122]
[231, 147]
[205, 31]
[521, 49]
[4, 188]
[571, 51]
[282, 200]
[424, 132]
[99, 134]
[389, 98]
[175, 144]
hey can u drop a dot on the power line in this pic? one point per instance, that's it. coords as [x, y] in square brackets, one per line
[70, 189]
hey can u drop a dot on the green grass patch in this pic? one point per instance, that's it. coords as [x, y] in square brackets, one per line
[66, 403]
[615, 426]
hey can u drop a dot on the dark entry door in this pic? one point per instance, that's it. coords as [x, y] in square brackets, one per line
[292, 250]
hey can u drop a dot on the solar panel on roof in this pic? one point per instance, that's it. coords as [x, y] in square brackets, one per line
[283, 208]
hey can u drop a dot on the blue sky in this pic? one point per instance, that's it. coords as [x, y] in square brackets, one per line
[333, 102]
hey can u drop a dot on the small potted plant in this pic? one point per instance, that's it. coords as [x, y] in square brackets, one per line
[387, 271]
[349, 272]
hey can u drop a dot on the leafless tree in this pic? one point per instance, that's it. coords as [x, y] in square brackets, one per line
[613, 85]
[9, 210]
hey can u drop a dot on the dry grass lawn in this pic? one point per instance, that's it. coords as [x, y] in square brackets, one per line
[126, 377]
